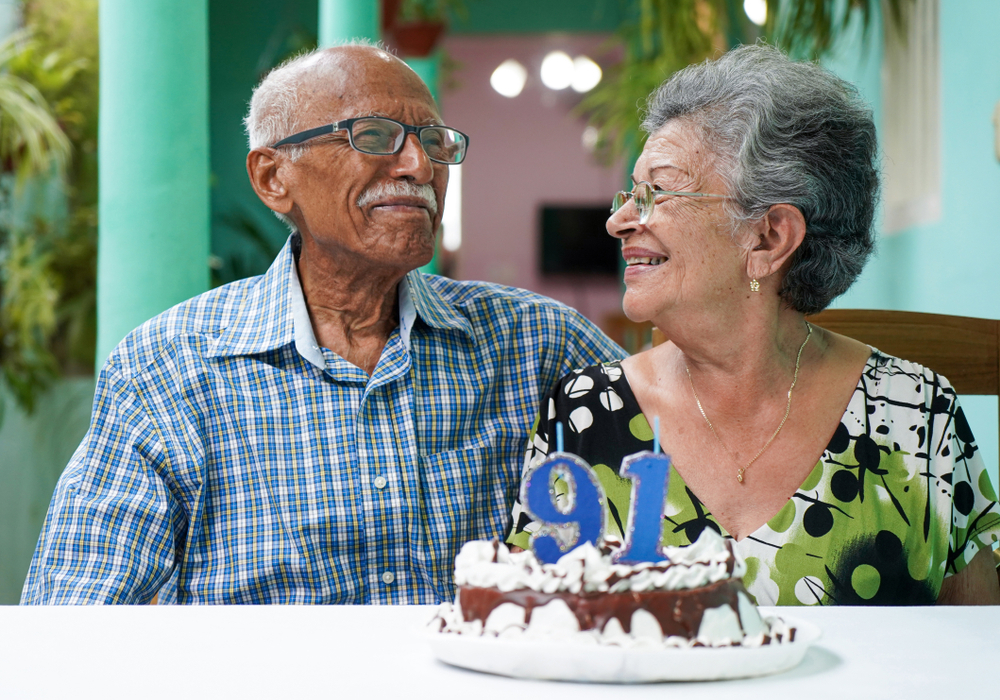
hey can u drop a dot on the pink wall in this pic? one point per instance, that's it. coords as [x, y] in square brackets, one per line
[524, 151]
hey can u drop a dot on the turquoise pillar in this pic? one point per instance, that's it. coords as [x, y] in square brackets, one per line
[429, 70]
[154, 162]
[342, 20]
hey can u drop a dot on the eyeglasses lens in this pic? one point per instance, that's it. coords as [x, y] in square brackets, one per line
[384, 137]
[377, 136]
[443, 145]
[643, 195]
[619, 201]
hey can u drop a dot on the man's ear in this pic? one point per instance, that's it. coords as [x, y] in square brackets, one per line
[265, 177]
[779, 234]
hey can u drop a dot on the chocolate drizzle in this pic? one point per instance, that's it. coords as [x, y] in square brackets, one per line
[678, 612]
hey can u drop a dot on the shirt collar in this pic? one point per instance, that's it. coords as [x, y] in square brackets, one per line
[305, 338]
[264, 319]
[430, 306]
[274, 313]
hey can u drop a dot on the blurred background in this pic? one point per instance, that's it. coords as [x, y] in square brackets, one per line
[123, 188]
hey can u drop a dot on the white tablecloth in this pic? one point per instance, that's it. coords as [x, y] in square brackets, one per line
[380, 652]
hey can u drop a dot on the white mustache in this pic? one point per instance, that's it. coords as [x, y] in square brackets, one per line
[399, 188]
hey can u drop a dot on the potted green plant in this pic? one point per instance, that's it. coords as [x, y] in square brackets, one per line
[417, 25]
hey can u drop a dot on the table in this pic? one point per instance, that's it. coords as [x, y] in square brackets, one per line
[374, 652]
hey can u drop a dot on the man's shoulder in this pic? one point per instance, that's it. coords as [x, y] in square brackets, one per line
[196, 323]
[495, 312]
[464, 294]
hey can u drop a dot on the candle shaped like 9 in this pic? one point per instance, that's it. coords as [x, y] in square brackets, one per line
[580, 518]
[582, 514]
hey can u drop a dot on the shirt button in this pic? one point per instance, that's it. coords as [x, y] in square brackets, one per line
[380, 484]
[388, 577]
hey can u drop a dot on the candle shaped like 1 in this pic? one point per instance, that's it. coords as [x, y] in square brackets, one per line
[650, 474]
[583, 510]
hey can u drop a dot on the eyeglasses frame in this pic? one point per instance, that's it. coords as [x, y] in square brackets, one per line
[644, 216]
[346, 124]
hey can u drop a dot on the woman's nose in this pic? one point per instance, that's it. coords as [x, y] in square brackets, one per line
[624, 222]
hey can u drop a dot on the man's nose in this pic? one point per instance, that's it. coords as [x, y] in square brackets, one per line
[412, 162]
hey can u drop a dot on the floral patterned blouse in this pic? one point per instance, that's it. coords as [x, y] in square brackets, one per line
[899, 500]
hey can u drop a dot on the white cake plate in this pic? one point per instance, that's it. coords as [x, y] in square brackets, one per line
[565, 661]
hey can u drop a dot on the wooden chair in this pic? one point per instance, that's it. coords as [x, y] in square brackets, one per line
[632, 336]
[963, 349]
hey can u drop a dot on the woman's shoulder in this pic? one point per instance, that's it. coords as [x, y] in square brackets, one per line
[599, 394]
[599, 376]
[897, 377]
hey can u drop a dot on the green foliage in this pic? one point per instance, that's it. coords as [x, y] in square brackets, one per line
[663, 36]
[31, 140]
[27, 316]
[48, 258]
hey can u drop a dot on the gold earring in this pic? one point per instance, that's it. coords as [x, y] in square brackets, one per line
[754, 285]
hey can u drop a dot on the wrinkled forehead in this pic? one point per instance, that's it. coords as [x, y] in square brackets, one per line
[679, 145]
[363, 81]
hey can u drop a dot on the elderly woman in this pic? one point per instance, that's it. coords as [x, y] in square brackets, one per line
[844, 476]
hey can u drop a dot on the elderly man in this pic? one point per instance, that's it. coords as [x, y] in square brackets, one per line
[333, 431]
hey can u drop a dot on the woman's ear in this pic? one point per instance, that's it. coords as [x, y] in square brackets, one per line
[266, 179]
[778, 235]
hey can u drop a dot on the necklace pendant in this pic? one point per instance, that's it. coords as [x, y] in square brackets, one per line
[739, 476]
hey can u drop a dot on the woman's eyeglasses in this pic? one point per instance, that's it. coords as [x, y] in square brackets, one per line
[645, 196]
[380, 136]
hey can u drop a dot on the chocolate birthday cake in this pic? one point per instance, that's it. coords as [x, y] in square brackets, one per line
[693, 598]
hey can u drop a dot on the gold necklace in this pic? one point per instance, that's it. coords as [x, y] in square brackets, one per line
[788, 407]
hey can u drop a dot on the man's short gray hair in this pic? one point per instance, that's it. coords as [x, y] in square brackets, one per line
[274, 105]
[787, 132]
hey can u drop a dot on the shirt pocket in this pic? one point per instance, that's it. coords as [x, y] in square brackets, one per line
[467, 495]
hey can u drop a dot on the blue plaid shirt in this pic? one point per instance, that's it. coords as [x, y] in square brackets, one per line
[224, 466]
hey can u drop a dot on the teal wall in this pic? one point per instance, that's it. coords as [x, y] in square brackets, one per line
[246, 39]
[948, 266]
[33, 452]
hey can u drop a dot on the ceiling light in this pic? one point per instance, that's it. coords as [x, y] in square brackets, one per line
[586, 74]
[557, 70]
[756, 10]
[509, 77]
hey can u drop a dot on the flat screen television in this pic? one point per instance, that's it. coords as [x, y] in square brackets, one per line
[575, 242]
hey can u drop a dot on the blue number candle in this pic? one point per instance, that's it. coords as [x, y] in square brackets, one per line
[584, 510]
[650, 474]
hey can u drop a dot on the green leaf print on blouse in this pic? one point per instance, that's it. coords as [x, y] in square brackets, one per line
[784, 519]
[986, 486]
[618, 490]
[865, 580]
[639, 427]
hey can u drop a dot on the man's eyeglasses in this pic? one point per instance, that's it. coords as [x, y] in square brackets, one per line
[645, 196]
[380, 136]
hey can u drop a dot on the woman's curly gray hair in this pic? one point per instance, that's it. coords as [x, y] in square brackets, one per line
[787, 132]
